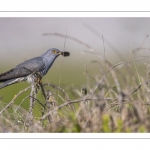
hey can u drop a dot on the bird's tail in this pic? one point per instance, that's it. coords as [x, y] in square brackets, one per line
[12, 81]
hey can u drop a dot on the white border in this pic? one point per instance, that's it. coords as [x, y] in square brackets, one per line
[75, 136]
[74, 14]
[74, 5]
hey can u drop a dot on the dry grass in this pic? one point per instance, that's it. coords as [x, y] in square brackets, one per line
[114, 99]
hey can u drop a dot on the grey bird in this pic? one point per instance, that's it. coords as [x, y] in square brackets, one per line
[32, 69]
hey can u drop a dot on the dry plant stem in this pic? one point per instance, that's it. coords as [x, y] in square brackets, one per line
[119, 95]
[9, 122]
[56, 87]
[104, 53]
[43, 91]
[65, 104]
[38, 102]
[13, 100]
[62, 64]
[137, 88]
[106, 41]
[94, 89]
[134, 52]
[107, 62]
[69, 37]
[136, 69]
[32, 102]
[144, 41]
[60, 89]
[21, 103]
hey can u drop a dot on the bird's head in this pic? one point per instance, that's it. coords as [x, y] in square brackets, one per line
[54, 52]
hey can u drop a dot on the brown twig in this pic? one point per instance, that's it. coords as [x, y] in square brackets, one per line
[69, 37]
[104, 76]
[60, 89]
[67, 103]
[13, 100]
[139, 86]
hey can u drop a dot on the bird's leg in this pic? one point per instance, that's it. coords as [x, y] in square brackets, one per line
[38, 80]
[38, 77]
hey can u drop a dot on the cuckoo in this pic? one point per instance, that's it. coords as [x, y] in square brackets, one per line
[31, 70]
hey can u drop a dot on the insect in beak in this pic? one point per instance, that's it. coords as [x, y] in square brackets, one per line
[65, 54]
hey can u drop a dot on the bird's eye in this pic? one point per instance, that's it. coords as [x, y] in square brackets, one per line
[54, 51]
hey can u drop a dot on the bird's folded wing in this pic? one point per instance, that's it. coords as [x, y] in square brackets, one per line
[24, 69]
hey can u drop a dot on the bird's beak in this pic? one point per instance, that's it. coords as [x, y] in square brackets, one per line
[65, 54]
[59, 53]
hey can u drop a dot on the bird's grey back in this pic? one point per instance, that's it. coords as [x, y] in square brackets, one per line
[38, 64]
[24, 69]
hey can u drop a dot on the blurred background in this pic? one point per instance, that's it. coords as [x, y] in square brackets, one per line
[22, 39]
